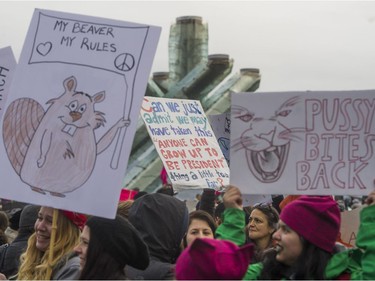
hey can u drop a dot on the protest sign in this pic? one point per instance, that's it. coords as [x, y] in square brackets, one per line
[74, 103]
[349, 225]
[251, 200]
[185, 142]
[7, 68]
[127, 194]
[303, 142]
[220, 124]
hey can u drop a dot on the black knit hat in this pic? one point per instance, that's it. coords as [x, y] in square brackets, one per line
[122, 241]
[29, 215]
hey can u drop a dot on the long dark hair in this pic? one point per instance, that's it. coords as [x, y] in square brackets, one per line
[311, 265]
[99, 264]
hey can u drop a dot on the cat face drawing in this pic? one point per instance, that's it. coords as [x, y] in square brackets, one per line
[266, 139]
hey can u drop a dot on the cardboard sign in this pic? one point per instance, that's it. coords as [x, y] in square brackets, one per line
[7, 68]
[303, 142]
[185, 142]
[349, 225]
[72, 114]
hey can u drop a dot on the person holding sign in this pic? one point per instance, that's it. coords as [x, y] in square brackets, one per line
[106, 261]
[262, 224]
[41, 255]
[305, 241]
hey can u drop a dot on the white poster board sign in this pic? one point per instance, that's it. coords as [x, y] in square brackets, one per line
[303, 142]
[71, 119]
[185, 142]
[220, 124]
[251, 200]
[7, 68]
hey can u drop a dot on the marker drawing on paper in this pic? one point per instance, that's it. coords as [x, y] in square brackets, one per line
[66, 130]
[55, 150]
[266, 140]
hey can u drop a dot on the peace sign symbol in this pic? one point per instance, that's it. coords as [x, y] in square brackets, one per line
[124, 62]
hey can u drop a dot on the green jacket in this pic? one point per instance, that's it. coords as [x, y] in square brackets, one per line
[358, 262]
[232, 227]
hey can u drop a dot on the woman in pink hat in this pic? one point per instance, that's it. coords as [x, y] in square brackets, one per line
[213, 259]
[305, 241]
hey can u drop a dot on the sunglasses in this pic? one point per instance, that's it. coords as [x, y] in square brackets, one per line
[264, 206]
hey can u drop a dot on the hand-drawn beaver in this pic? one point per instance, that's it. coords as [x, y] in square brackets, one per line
[56, 150]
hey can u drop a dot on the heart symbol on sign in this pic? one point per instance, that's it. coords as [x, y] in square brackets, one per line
[44, 48]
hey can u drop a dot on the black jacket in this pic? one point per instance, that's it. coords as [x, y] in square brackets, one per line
[11, 260]
[162, 221]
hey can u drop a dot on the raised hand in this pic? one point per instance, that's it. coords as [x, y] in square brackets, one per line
[232, 197]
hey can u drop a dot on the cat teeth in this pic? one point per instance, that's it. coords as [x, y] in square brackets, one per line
[280, 150]
[271, 148]
[262, 155]
[269, 175]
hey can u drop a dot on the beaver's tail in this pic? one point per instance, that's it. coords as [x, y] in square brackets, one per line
[21, 120]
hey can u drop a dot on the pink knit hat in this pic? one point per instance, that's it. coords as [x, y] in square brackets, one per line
[315, 218]
[213, 259]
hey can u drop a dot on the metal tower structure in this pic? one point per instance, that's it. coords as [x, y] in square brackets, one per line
[193, 74]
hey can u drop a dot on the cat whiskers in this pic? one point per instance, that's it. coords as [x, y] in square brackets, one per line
[241, 143]
[292, 134]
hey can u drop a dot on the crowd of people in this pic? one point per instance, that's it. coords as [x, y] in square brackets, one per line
[154, 236]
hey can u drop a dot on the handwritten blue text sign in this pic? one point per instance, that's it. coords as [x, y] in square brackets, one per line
[185, 142]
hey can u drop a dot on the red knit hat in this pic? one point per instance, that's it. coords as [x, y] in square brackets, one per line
[213, 259]
[315, 218]
[76, 218]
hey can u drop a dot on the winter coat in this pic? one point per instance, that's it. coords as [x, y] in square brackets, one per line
[11, 260]
[67, 269]
[357, 263]
[161, 221]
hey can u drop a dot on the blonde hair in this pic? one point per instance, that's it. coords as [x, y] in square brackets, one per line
[123, 208]
[34, 263]
[4, 222]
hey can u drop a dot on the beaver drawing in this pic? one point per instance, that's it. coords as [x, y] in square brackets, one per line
[55, 151]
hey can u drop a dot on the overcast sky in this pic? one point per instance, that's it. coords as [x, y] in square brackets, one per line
[297, 45]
